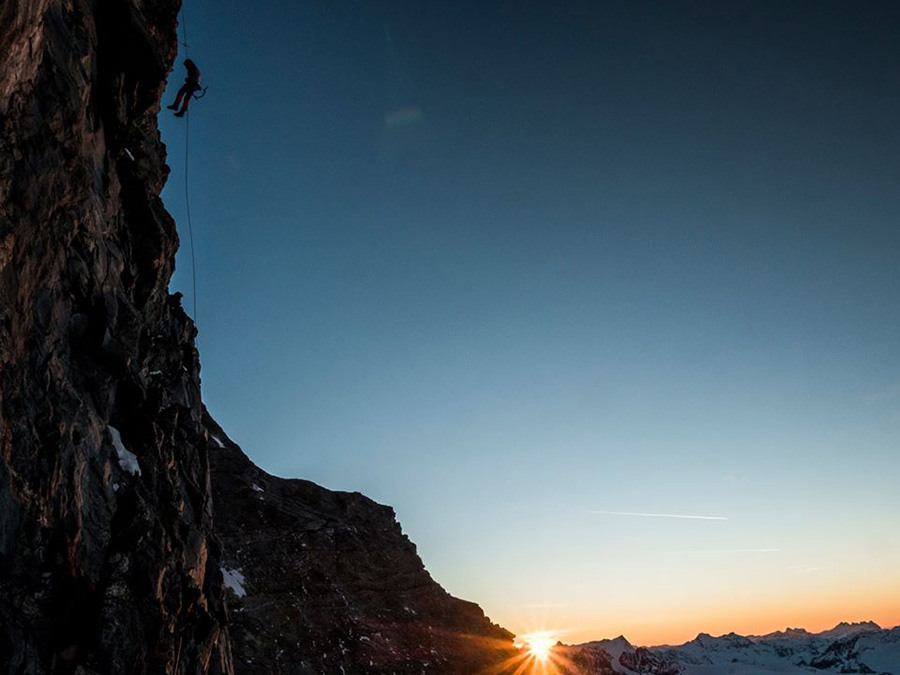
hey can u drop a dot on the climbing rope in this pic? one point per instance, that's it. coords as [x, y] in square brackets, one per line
[187, 192]
[184, 41]
[187, 207]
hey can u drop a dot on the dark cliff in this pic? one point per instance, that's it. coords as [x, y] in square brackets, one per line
[326, 582]
[109, 562]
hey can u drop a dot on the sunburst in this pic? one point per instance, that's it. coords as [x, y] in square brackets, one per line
[539, 646]
[539, 654]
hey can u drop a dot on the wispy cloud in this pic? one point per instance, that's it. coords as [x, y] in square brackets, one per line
[656, 515]
[731, 551]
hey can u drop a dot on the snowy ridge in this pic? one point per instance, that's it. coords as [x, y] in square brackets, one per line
[844, 629]
[846, 648]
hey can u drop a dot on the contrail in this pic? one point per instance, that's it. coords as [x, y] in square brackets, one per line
[738, 551]
[656, 515]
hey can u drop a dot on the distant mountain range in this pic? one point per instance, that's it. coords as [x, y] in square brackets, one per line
[862, 647]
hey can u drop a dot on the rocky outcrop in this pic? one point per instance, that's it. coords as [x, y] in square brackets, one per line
[586, 659]
[841, 655]
[610, 657]
[326, 582]
[107, 561]
[643, 662]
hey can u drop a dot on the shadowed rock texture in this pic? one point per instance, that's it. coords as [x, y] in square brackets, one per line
[326, 582]
[108, 560]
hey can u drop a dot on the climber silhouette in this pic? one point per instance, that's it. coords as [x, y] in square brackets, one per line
[188, 89]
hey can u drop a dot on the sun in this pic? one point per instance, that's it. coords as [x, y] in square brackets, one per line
[539, 646]
[538, 653]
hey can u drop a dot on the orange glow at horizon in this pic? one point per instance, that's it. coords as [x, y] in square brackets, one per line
[651, 623]
[675, 630]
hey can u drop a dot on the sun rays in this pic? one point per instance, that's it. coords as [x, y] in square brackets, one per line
[539, 647]
[539, 654]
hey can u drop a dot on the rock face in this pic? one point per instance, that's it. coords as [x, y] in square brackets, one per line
[108, 558]
[107, 561]
[326, 582]
[610, 657]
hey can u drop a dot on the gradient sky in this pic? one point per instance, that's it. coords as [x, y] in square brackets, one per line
[614, 258]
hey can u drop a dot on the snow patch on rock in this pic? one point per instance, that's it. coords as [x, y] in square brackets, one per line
[127, 460]
[234, 581]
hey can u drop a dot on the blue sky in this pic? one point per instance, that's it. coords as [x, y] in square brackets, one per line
[623, 257]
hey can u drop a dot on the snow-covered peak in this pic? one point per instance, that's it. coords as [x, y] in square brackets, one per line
[727, 641]
[615, 647]
[787, 633]
[843, 629]
[850, 648]
[857, 648]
